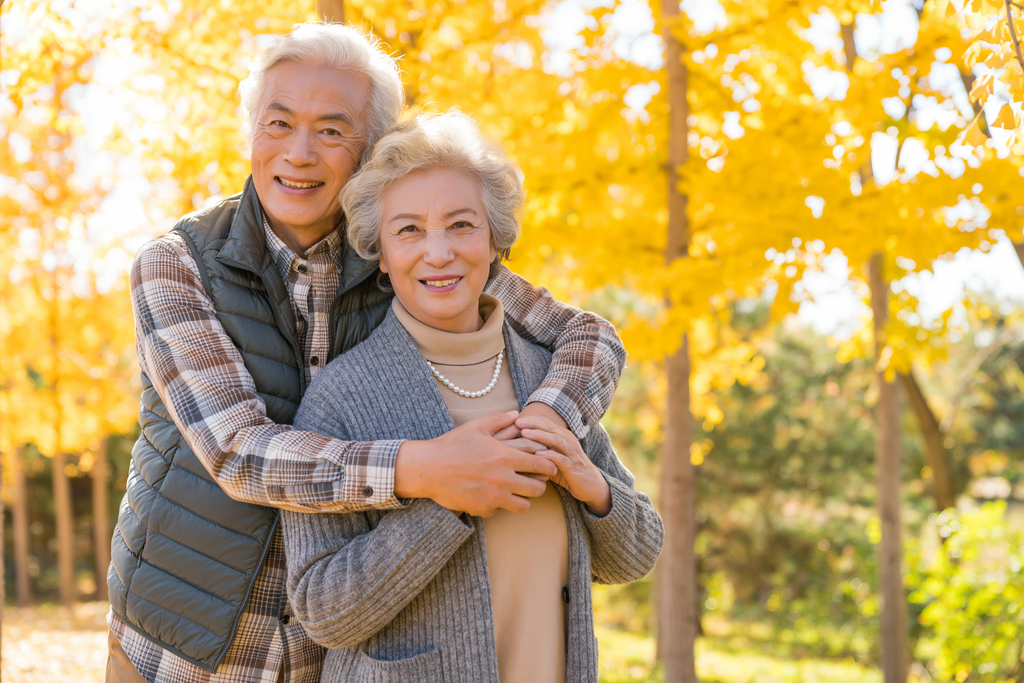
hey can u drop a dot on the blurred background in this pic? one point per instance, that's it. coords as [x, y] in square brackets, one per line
[805, 216]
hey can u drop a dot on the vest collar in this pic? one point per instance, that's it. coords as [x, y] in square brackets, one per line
[246, 243]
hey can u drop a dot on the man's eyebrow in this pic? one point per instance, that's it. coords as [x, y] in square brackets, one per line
[335, 116]
[338, 116]
[277, 106]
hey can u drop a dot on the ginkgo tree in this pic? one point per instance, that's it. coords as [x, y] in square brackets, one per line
[67, 370]
[994, 60]
[773, 167]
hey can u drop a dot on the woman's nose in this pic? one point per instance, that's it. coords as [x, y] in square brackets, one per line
[438, 249]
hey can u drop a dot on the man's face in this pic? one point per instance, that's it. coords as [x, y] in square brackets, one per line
[309, 135]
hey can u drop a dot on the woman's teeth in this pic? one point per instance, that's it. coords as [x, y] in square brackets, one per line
[441, 283]
[299, 186]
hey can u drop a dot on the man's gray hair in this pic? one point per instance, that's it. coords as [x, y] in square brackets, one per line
[449, 140]
[334, 46]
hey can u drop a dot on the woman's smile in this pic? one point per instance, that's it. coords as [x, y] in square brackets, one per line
[441, 285]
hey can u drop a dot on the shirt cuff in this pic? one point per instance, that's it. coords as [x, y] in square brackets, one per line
[578, 411]
[370, 475]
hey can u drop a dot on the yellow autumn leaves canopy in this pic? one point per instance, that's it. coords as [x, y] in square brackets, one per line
[780, 174]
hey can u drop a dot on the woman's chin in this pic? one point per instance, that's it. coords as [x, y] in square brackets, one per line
[462, 318]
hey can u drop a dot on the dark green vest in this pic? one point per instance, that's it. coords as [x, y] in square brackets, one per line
[185, 555]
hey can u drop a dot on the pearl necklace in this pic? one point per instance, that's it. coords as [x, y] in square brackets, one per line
[470, 394]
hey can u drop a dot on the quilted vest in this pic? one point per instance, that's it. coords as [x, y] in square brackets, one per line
[185, 555]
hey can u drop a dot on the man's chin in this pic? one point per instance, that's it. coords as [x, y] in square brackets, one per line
[287, 218]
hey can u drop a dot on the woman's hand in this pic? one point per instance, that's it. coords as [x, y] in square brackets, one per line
[576, 473]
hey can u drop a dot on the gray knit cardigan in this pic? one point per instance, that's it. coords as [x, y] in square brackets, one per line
[403, 595]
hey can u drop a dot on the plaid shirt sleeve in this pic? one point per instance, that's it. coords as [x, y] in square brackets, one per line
[588, 355]
[201, 378]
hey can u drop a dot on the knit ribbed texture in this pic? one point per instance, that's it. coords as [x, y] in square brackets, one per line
[403, 595]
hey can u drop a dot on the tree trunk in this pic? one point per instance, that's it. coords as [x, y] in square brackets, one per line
[677, 609]
[62, 512]
[887, 477]
[331, 10]
[677, 594]
[1019, 248]
[100, 521]
[19, 522]
[3, 572]
[936, 452]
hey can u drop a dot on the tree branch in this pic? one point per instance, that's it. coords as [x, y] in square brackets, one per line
[936, 453]
[1013, 33]
[967, 377]
[967, 78]
[849, 47]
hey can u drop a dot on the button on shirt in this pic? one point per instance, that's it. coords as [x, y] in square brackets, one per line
[313, 281]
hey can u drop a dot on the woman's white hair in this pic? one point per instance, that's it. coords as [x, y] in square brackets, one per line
[334, 46]
[449, 140]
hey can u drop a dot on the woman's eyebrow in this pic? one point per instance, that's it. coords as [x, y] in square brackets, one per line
[456, 212]
[406, 216]
[416, 216]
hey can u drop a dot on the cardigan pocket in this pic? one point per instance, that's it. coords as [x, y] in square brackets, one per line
[419, 668]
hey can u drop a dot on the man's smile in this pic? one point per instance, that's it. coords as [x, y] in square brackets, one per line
[298, 185]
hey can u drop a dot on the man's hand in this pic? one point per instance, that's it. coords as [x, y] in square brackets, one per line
[512, 436]
[468, 469]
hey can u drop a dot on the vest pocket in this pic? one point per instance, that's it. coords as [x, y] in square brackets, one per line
[418, 669]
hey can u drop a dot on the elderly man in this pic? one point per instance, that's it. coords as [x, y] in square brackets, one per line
[236, 310]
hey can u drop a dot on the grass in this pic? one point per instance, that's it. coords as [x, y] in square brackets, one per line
[46, 644]
[629, 658]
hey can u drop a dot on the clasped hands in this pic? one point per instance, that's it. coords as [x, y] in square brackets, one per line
[501, 461]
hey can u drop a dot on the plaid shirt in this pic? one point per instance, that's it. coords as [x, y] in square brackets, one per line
[199, 373]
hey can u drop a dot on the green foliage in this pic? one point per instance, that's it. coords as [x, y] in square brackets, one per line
[996, 447]
[972, 592]
[785, 493]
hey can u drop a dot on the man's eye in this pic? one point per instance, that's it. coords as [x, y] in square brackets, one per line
[278, 124]
[331, 131]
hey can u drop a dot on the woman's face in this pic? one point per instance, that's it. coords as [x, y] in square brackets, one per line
[436, 246]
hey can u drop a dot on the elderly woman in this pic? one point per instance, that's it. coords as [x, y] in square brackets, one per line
[422, 593]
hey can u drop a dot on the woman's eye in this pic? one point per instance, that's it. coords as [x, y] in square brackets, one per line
[462, 224]
[405, 230]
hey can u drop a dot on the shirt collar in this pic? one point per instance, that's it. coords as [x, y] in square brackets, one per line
[285, 259]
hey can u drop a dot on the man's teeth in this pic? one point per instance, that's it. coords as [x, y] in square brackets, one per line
[299, 186]
[442, 283]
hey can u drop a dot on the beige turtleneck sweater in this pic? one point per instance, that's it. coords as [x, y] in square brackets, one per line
[527, 554]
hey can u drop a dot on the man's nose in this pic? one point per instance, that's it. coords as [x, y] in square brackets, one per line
[300, 150]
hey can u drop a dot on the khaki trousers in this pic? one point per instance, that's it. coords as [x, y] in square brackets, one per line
[119, 668]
